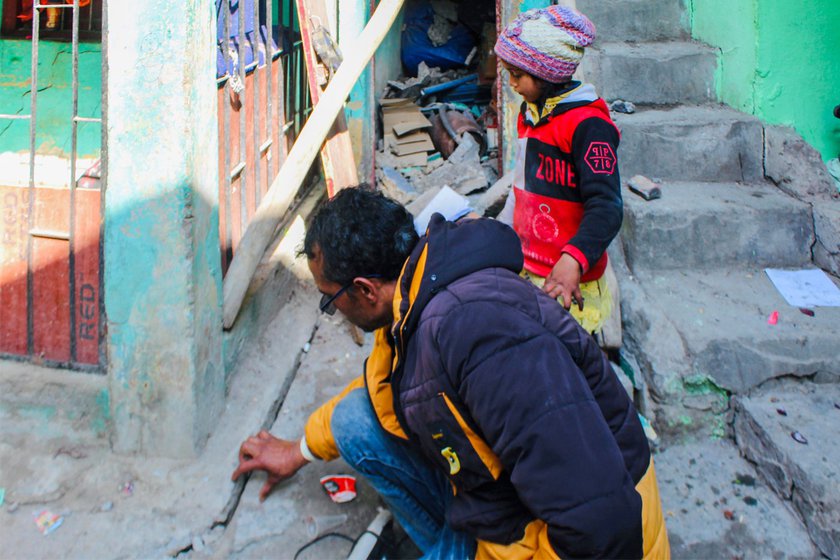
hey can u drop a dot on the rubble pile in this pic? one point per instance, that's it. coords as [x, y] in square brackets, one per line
[440, 126]
[434, 145]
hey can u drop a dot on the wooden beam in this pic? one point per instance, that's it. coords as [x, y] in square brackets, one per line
[337, 153]
[276, 202]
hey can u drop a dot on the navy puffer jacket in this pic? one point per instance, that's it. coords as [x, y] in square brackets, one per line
[502, 389]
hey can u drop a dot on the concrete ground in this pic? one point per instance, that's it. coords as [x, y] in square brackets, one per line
[131, 507]
[134, 507]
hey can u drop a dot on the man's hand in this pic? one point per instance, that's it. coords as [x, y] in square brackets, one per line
[564, 281]
[279, 458]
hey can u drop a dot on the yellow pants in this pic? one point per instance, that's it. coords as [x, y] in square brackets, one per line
[597, 301]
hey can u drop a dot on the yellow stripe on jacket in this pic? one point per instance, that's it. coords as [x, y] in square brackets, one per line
[534, 545]
[318, 432]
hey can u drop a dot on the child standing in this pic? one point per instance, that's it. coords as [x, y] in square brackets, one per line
[565, 203]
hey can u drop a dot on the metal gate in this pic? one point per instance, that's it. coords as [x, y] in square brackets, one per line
[50, 281]
[50, 242]
[263, 102]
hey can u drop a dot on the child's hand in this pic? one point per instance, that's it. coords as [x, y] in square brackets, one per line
[564, 280]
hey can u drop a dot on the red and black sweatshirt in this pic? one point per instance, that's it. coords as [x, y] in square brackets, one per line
[566, 184]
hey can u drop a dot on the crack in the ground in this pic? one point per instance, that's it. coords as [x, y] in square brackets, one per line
[239, 486]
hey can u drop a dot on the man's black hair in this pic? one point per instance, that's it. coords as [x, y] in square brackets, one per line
[361, 232]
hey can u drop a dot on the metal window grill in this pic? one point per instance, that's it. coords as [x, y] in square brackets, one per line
[60, 324]
[262, 103]
[51, 293]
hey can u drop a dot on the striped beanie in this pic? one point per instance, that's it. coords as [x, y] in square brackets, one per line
[547, 43]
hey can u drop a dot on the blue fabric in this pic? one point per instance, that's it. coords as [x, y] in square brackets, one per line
[417, 494]
[250, 41]
[416, 46]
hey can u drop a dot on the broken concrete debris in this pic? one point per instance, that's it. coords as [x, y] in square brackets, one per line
[644, 187]
[426, 144]
[799, 438]
[621, 106]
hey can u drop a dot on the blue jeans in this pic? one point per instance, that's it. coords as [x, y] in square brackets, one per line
[417, 494]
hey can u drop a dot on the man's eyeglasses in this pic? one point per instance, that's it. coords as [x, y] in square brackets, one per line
[327, 304]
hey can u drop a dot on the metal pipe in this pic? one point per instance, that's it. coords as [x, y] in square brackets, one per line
[447, 85]
[444, 120]
[243, 180]
[269, 60]
[51, 234]
[255, 48]
[365, 543]
[228, 233]
[74, 136]
[33, 121]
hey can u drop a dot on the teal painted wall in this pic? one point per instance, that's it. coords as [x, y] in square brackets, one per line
[778, 61]
[161, 244]
[54, 97]
[387, 64]
[352, 17]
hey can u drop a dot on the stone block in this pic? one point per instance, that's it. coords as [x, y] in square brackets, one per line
[700, 482]
[490, 202]
[827, 230]
[796, 167]
[709, 144]
[652, 73]
[635, 20]
[722, 318]
[701, 336]
[804, 473]
[711, 225]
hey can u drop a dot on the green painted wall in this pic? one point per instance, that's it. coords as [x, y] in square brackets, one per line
[54, 96]
[778, 61]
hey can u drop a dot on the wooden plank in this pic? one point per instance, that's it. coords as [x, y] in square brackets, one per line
[250, 172]
[337, 153]
[51, 277]
[224, 245]
[86, 236]
[14, 202]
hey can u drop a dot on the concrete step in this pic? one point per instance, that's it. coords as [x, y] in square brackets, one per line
[709, 143]
[805, 473]
[711, 225]
[701, 336]
[636, 20]
[58, 405]
[700, 482]
[662, 73]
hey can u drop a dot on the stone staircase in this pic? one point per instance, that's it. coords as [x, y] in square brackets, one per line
[696, 300]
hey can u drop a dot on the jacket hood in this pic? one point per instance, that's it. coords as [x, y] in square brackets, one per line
[577, 95]
[449, 251]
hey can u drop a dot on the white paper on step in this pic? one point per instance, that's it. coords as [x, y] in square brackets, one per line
[805, 288]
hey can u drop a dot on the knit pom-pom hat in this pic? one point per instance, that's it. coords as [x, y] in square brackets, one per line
[547, 43]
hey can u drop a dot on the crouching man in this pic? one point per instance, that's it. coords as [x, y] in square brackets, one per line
[486, 417]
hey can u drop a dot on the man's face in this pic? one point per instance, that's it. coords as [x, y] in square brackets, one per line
[368, 303]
